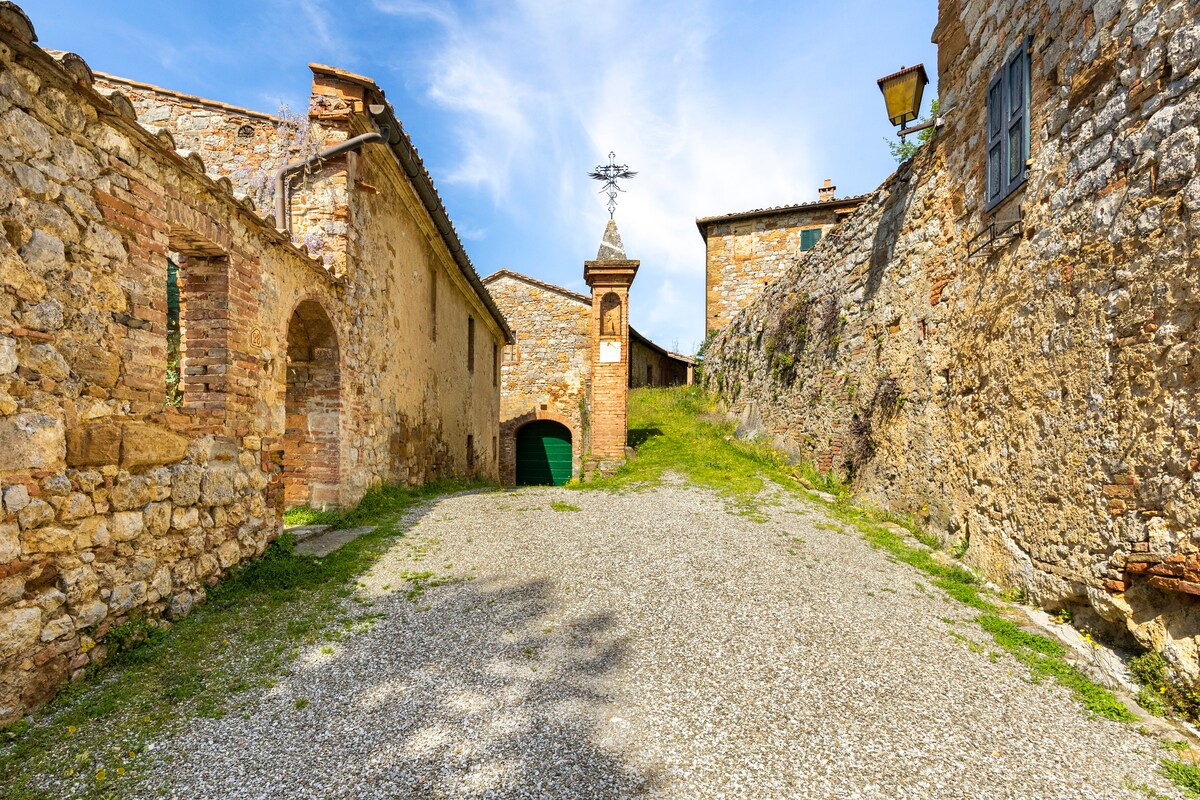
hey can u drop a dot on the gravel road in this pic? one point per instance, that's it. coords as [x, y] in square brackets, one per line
[656, 644]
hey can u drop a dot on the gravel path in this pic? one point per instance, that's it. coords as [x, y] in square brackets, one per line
[657, 644]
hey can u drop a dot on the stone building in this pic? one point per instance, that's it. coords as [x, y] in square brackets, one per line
[546, 373]
[174, 369]
[747, 251]
[1003, 339]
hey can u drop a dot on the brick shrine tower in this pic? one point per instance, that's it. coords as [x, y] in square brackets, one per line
[609, 277]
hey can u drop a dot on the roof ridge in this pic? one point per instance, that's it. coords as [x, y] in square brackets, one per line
[554, 287]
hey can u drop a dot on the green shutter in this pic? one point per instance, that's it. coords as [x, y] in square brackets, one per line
[809, 238]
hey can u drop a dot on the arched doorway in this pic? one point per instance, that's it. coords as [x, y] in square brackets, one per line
[313, 409]
[543, 454]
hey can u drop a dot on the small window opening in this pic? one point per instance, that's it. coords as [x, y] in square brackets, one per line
[649, 375]
[433, 282]
[174, 369]
[470, 453]
[495, 365]
[470, 344]
[495, 450]
[245, 132]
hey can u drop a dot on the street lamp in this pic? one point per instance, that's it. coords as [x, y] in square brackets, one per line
[902, 92]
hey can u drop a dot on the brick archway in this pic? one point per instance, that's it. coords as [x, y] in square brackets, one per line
[508, 443]
[312, 422]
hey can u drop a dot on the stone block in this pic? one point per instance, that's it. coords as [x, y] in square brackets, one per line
[35, 514]
[16, 497]
[48, 540]
[90, 614]
[31, 440]
[151, 445]
[126, 526]
[229, 553]
[217, 487]
[80, 584]
[158, 518]
[19, 630]
[94, 445]
[58, 628]
[10, 542]
[125, 597]
[132, 492]
[185, 484]
[76, 506]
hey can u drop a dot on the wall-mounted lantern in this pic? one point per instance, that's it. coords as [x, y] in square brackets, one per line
[902, 92]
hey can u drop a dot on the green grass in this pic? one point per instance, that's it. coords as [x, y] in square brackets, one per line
[558, 505]
[92, 736]
[1187, 776]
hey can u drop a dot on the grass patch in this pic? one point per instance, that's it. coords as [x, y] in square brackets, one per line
[1162, 690]
[244, 636]
[558, 505]
[1187, 776]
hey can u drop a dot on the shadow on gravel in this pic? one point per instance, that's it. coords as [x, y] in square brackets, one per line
[473, 690]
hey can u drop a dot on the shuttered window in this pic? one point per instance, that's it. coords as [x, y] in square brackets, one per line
[1008, 127]
[809, 238]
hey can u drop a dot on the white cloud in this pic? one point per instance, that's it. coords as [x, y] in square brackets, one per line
[541, 91]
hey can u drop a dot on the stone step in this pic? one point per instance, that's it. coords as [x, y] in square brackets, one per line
[324, 544]
[302, 532]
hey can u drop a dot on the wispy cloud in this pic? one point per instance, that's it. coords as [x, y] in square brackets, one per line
[540, 92]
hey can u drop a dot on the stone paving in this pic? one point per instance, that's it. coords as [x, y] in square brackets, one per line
[656, 644]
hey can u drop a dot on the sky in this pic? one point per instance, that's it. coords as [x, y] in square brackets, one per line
[719, 105]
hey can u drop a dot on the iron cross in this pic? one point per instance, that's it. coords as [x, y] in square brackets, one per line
[611, 173]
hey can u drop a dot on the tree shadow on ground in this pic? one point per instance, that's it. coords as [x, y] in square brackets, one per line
[475, 689]
[639, 436]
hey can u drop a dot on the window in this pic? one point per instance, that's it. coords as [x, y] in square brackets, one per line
[174, 337]
[433, 281]
[809, 238]
[495, 450]
[1008, 127]
[495, 365]
[649, 375]
[511, 354]
[470, 343]
[470, 453]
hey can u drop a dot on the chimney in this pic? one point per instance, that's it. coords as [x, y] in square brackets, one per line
[825, 193]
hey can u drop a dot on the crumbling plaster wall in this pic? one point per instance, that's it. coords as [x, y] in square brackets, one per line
[1038, 400]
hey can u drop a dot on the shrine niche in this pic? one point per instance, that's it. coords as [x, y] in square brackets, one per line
[610, 315]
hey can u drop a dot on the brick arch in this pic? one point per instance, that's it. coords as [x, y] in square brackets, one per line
[508, 442]
[312, 408]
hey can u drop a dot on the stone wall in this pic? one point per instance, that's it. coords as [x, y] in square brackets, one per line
[746, 252]
[1037, 398]
[116, 502]
[650, 365]
[545, 375]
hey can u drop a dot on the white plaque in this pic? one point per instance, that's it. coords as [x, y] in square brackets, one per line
[610, 352]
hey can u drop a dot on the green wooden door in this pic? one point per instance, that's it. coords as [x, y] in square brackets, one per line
[543, 454]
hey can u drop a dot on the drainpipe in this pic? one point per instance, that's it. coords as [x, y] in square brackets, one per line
[282, 218]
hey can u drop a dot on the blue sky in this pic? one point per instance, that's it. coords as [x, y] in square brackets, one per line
[720, 106]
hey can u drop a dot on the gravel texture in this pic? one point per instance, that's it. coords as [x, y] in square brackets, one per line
[659, 644]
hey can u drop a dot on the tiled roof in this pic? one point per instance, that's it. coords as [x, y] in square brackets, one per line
[815, 205]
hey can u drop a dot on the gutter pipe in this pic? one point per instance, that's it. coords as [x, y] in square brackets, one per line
[282, 220]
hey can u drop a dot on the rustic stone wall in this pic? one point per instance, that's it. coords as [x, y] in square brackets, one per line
[295, 379]
[1038, 398]
[746, 252]
[545, 375]
[650, 366]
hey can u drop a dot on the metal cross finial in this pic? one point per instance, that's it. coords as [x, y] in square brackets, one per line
[611, 173]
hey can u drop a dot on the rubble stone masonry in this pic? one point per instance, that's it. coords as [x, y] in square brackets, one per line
[326, 382]
[1036, 399]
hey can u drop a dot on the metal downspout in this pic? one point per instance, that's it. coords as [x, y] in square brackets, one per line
[282, 218]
